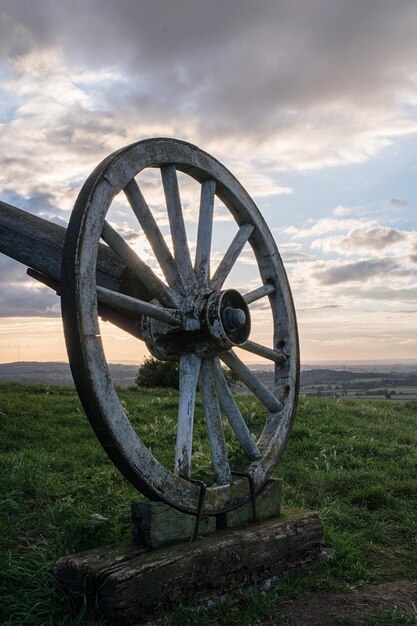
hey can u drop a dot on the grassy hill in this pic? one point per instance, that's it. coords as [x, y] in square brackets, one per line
[354, 461]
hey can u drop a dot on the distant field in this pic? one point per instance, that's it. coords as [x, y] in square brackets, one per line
[353, 460]
[407, 390]
[365, 380]
[394, 398]
[397, 393]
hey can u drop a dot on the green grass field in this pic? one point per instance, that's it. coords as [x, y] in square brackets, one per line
[353, 460]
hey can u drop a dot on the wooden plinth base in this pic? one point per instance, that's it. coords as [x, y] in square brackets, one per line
[125, 582]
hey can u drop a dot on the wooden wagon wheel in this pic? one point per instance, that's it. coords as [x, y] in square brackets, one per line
[189, 318]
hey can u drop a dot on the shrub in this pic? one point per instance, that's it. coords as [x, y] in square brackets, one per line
[156, 373]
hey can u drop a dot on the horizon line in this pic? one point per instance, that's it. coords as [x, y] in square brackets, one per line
[302, 363]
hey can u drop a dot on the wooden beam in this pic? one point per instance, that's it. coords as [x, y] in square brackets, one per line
[127, 583]
[38, 244]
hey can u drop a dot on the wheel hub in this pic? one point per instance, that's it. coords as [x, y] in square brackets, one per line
[227, 318]
[212, 322]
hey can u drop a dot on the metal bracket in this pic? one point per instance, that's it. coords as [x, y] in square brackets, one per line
[203, 489]
[252, 492]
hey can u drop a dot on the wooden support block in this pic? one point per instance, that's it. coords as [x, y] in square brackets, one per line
[125, 583]
[156, 524]
[268, 504]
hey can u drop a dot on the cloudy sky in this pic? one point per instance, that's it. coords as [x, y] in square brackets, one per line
[312, 104]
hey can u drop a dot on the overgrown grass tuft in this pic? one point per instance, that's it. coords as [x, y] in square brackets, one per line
[354, 461]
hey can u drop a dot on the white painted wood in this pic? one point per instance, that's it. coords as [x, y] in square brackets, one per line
[214, 423]
[204, 234]
[231, 255]
[176, 222]
[233, 414]
[259, 293]
[189, 372]
[263, 351]
[134, 308]
[131, 456]
[251, 381]
[166, 296]
[154, 236]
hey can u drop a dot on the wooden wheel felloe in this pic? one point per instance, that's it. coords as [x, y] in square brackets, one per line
[187, 317]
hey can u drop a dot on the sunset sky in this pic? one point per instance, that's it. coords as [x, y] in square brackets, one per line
[312, 104]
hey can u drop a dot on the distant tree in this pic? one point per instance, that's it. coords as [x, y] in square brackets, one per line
[156, 373]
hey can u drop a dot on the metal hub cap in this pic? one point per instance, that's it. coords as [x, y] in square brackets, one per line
[228, 319]
[210, 324]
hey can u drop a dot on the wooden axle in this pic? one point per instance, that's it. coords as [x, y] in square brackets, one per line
[39, 244]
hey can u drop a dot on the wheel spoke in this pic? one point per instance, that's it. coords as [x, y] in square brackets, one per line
[263, 351]
[202, 321]
[231, 255]
[176, 221]
[234, 415]
[204, 234]
[134, 308]
[251, 381]
[154, 235]
[259, 293]
[157, 288]
[189, 372]
[214, 423]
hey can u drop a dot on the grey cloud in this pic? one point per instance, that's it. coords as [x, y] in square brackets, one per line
[358, 271]
[39, 203]
[11, 271]
[28, 303]
[36, 203]
[273, 63]
[397, 204]
[374, 238]
[22, 296]
[84, 130]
